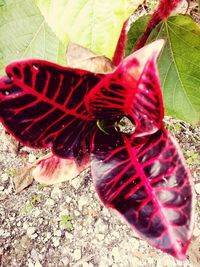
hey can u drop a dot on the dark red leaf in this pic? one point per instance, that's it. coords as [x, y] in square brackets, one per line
[133, 89]
[42, 105]
[145, 179]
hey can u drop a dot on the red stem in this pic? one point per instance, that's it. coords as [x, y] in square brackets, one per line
[119, 51]
[162, 12]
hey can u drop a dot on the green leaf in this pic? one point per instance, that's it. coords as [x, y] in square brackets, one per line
[178, 64]
[135, 31]
[24, 33]
[2, 2]
[93, 24]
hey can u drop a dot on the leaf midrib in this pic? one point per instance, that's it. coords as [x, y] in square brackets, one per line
[176, 67]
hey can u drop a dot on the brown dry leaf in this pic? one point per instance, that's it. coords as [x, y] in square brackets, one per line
[23, 179]
[51, 170]
[10, 141]
[83, 58]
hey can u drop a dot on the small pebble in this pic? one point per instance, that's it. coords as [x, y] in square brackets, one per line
[197, 188]
[56, 193]
[58, 233]
[30, 231]
[56, 242]
[65, 261]
[37, 264]
[68, 199]
[100, 237]
[4, 177]
[50, 202]
[34, 236]
[196, 231]
[31, 158]
[76, 182]
[77, 254]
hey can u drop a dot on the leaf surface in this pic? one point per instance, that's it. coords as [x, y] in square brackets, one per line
[24, 33]
[146, 181]
[90, 23]
[41, 104]
[178, 64]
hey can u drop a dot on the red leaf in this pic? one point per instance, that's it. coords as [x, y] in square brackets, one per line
[41, 104]
[133, 89]
[146, 181]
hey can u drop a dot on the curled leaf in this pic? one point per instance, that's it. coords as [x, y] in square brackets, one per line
[83, 58]
[133, 89]
[22, 179]
[51, 169]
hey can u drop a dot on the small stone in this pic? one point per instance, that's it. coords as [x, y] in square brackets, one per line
[65, 261]
[68, 235]
[135, 260]
[84, 232]
[100, 226]
[56, 242]
[31, 158]
[48, 235]
[150, 261]
[179, 263]
[19, 224]
[116, 234]
[30, 231]
[37, 264]
[30, 264]
[196, 231]
[4, 177]
[34, 236]
[6, 234]
[64, 212]
[82, 202]
[56, 193]
[76, 182]
[68, 199]
[50, 202]
[34, 255]
[100, 237]
[197, 188]
[36, 212]
[77, 254]
[58, 233]
[116, 254]
[1, 232]
[25, 226]
[76, 213]
[85, 264]
[65, 250]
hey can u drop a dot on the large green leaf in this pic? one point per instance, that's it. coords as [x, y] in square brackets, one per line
[91, 23]
[179, 64]
[24, 33]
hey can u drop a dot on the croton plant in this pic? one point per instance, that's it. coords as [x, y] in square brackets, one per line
[114, 121]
